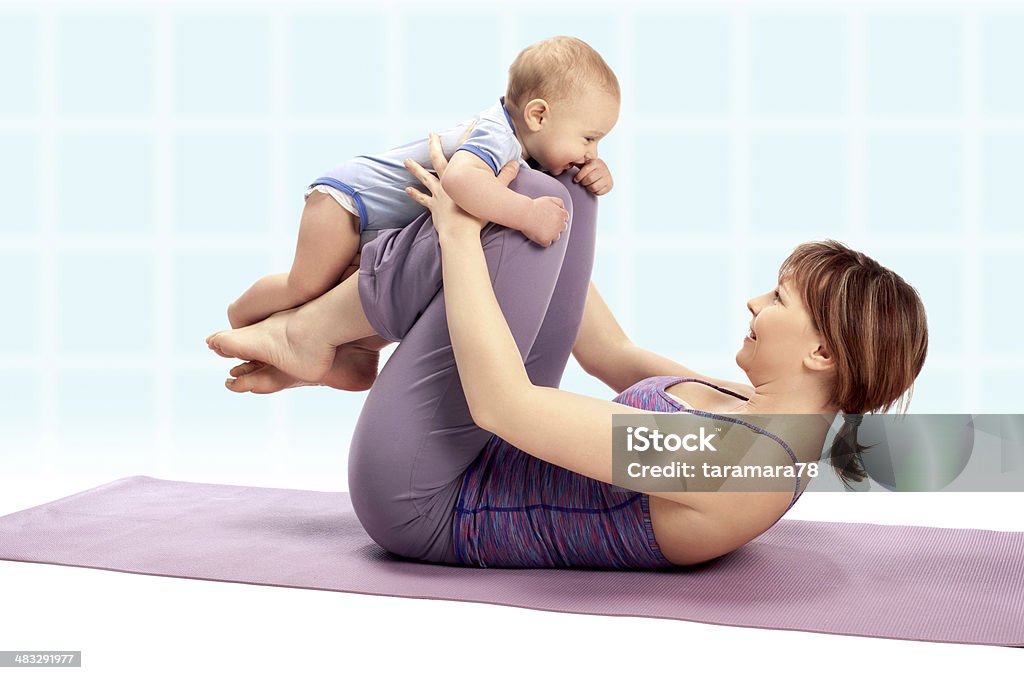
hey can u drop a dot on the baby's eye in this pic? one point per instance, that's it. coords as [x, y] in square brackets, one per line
[589, 140]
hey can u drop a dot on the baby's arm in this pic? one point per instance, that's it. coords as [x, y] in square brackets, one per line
[474, 187]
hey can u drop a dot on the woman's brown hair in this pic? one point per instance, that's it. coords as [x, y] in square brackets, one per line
[873, 322]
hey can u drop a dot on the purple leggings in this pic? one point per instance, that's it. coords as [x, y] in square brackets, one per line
[415, 438]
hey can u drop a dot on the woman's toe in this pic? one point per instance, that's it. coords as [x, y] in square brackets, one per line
[246, 368]
[258, 378]
[238, 384]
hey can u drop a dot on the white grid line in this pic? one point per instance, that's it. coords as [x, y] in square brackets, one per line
[279, 228]
[856, 137]
[884, 6]
[509, 38]
[652, 123]
[972, 232]
[395, 77]
[48, 310]
[164, 238]
[741, 138]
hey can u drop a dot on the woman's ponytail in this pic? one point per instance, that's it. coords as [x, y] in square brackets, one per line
[845, 454]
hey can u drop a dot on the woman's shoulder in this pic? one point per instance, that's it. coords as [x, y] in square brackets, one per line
[647, 394]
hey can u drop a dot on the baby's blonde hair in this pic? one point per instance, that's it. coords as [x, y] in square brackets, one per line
[557, 69]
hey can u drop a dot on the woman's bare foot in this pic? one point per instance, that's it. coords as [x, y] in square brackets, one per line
[258, 378]
[282, 340]
[354, 369]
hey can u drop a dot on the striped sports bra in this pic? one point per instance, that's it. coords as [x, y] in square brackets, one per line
[664, 382]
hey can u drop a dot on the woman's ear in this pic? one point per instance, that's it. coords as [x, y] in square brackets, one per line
[536, 113]
[820, 359]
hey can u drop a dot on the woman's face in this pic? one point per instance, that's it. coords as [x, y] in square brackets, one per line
[782, 336]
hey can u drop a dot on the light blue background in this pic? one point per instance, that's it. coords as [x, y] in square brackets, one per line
[152, 167]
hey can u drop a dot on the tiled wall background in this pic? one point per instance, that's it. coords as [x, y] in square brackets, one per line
[153, 158]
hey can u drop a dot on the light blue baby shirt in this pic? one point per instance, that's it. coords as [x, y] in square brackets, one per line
[377, 183]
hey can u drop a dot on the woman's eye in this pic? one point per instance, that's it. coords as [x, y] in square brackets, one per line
[777, 296]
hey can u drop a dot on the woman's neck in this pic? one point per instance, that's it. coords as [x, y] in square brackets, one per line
[805, 433]
[793, 396]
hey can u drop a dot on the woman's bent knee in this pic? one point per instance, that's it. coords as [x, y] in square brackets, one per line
[579, 194]
[534, 184]
[398, 527]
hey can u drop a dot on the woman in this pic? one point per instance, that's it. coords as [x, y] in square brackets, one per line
[429, 481]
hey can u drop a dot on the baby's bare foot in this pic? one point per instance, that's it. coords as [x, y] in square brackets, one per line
[281, 340]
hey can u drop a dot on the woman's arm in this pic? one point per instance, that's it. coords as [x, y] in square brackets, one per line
[604, 351]
[569, 430]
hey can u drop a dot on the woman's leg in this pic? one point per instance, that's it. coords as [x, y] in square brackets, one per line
[415, 437]
[550, 353]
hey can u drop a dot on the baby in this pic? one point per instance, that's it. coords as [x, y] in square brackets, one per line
[561, 100]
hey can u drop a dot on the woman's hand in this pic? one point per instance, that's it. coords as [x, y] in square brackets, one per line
[449, 218]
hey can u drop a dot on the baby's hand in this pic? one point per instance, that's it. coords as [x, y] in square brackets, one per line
[547, 220]
[595, 176]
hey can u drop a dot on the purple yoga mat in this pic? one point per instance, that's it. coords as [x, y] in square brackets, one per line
[914, 583]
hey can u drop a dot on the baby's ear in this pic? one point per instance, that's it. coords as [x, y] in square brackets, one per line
[508, 172]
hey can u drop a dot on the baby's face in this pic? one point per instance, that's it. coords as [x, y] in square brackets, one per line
[575, 129]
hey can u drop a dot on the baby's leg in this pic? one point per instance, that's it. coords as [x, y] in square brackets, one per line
[328, 240]
[302, 342]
